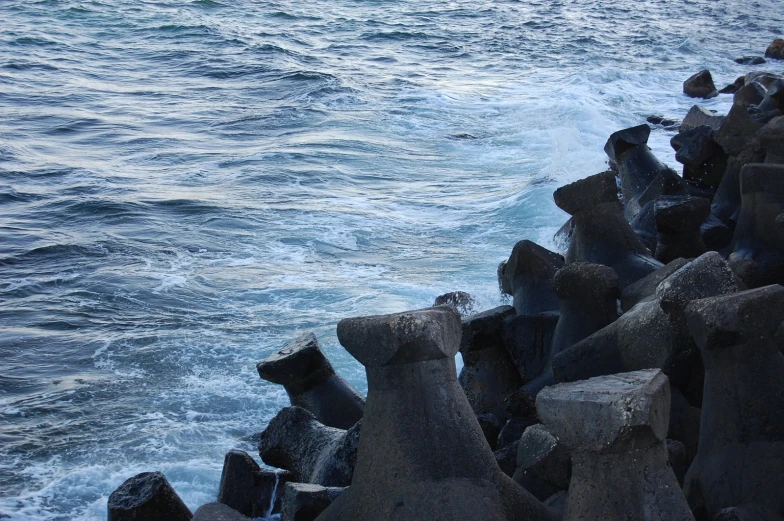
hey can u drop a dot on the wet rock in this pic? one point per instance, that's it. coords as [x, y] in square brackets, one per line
[563, 236]
[528, 277]
[601, 233]
[771, 140]
[774, 97]
[704, 161]
[751, 94]
[463, 302]
[147, 496]
[646, 286]
[741, 447]
[314, 453]
[716, 234]
[422, 454]
[305, 501]
[733, 87]
[543, 464]
[249, 489]
[761, 77]
[678, 221]
[698, 116]
[678, 459]
[775, 50]
[489, 373]
[615, 428]
[491, 427]
[661, 121]
[750, 60]
[311, 383]
[218, 512]
[528, 339]
[700, 86]
[757, 249]
[668, 182]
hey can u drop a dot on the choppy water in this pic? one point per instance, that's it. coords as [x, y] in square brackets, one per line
[185, 185]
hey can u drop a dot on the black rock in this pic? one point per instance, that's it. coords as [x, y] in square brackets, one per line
[774, 97]
[771, 140]
[751, 60]
[305, 501]
[514, 429]
[463, 302]
[703, 159]
[700, 86]
[147, 496]
[678, 221]
[751, 94]
[218, 512]
[528, 339]
[733, 87]
[661, 121]
[678, 459]
[543, 464]
[698, 116]
[528, 277]
[507, 458]
[249, 489]
[311, 383]
[491, 427]
[646, 286]
[775, 50]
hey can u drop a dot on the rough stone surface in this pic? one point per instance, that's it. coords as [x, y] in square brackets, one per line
[249, 489]
[700, 86]
[489, 374]
[528, 339]
[601, 233]
[646, 286]
[775, 50]
[741, 446]
[761, 77]
[698, 116]
[757, 248]
[615, 428]
[422, 454]
[703, 159]
[543, 464]
[218, 512]
[774, 98]
[147, 496]
[678, 222]
[733, 87]
[528, 277]
[463, 302]
[314, 453]
[305, 501]
[311, 382]
[751, 94]
[771, 140]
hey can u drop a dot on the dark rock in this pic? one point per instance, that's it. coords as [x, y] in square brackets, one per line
[700, 86]
[698, 116]
[644, 226]
[678, 221]
[528, 277]
[311, 383]
[543, 464]
[646, 286]
[661, 121]
[774, 97]
[489, 374]
[716, 234]
[601, 233]
[771, 140]
[528, 339]
[678, 459]
[314, 453]
[741, 447]
[738, 131]
[422, 454]
[751, 60]
[305, 501]
[703, 159]
[218, 512]
[615, 429]
[463, 302]
[763, 78]
[733, 87]
[668, 182]
[249, 489]
[507, 458]
[491, 427]
[684, 424]
[775, 50]
[757, 249]
[746, 513]
[558, 502]
[751, 94]
[514, 429]
[147, 496]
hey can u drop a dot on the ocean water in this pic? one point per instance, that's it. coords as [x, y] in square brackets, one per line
[187, 185]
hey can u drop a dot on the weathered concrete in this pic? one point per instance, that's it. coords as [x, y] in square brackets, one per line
[771, 140]
[528, 277]
[704, 161]
[543, 464]
[147, 496]
[305, 501]
[311, 382]
[249, 489]
[646, 286]
[678, 222]
[741, 449]
[601, 233]
[422, 454]
[314, 453]
[615, 427]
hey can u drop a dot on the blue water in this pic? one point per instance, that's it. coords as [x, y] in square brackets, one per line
[186, 185]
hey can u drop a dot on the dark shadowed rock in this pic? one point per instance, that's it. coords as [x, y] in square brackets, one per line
[775, 50]
[491, 427]
[684, 424]
[774, 97]
[543, 464]
[615, 429]
[704, 161]
[667, 183]
[763, 78]
[249, 489]
[311, 383]
[528, 339]
[741, 447]
[305, 501]
[422, 454]
[218, 512]
[678, 459]
[771, 140]
[489, 373]
[514, 429]
[751, 94]
[700, 86]
[750, 60]
[506, 458]
[528, 277]
[314, 453]
[147, 496]
[678, 221]
[698, 116]
[661, 121]
[601, 233]
[463, 302]
[757, 249]
[733, 87]
[646, 286]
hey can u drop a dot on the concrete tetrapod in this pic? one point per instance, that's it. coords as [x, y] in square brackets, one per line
[740, 457]
[422, 455]
[601, 233]
[249, 489]
[678, 221]
[528, 277]
[615, 427]
[311, 383]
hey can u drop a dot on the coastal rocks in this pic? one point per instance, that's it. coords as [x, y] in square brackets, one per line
[147, 496]
[615, 428]
[775, 50]
[751, 94]
[305, 501]
[771, 139]
[528, 339]
[733, 87]
[703, 160]
[774, 98]
[750, 60]
[311, 383]
[661, 121]
[249, 489]
[422, 455]
[601, 233]
[741, 448]
[543, 464]
[314, 453]
[528, 277]
[218, 512]
[700, 86]
[463, 302]
[489, 374]
[698, 116]
[646, 286]
[757, 249]
[678, 221]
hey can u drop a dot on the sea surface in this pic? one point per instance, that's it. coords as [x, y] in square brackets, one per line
[185, 186]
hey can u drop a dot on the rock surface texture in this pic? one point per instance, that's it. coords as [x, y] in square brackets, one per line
[700, 86]
[147, 496]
